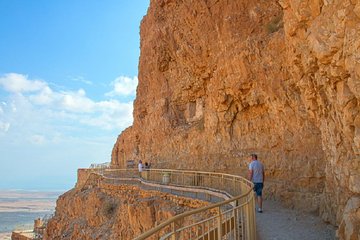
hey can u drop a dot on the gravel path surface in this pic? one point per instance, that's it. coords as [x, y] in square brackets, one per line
[279, 223]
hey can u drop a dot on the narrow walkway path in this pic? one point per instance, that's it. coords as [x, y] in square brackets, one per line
[212, 196]
[279, 223]
[195, 195]
[275, 223]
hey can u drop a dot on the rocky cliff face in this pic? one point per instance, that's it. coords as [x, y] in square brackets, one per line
[220, 79]
[114, 212]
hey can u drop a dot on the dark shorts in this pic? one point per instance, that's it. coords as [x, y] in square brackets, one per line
[258, 187]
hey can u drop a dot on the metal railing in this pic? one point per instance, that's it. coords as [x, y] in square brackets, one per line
[233, 218]
[100, 165]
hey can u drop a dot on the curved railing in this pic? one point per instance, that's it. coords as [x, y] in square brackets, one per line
[232, 218]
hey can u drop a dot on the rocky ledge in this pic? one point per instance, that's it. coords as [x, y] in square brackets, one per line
[114, 212]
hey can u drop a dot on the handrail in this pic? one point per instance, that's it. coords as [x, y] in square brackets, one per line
[186, 214]
[240, 217]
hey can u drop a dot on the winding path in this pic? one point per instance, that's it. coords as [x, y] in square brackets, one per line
[275, 223]
[280, 223]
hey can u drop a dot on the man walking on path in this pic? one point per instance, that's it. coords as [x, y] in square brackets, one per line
[257, 176]
[140, 167]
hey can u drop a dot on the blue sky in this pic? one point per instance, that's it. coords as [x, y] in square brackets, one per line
[68, 76]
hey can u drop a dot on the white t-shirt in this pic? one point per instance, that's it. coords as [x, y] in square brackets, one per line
[258, 170]
[140, 166]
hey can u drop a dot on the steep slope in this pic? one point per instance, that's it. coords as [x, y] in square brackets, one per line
[114, 212]
[219, 79]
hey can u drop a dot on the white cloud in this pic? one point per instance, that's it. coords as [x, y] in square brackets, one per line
[34, 107]
[18, 83]
[4, 126]
[13, 107]
[81, 79]
[112, 114]
[1, 107]
[37, 139]
[123, 86]
[45, 96]
[76, 102]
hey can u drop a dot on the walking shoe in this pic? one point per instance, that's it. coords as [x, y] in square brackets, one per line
[260, 210]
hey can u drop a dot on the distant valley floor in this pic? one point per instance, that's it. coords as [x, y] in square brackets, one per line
[18, 209]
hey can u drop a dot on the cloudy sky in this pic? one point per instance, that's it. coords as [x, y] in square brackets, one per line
[68, 77]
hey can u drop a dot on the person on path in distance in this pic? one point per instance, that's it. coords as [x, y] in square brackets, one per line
[257, 176]
[140, 166]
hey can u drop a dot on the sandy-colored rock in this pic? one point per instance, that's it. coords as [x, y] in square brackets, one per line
[221, 79]
[113, 212]
[350, 225]
[21, 236]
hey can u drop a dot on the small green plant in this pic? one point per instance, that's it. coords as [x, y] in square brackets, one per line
[275, 24]
[110, 208]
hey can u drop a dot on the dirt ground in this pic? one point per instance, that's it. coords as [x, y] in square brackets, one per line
[278, 223]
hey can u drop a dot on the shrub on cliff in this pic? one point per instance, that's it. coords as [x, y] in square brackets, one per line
[109, 208]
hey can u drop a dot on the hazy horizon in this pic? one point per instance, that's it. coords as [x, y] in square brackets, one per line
[19, 208]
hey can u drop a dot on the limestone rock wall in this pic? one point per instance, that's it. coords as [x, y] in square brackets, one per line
[220, 79]
[323, 40]
[114, 212]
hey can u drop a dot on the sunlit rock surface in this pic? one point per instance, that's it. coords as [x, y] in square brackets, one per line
[113, 212]
[220, 79]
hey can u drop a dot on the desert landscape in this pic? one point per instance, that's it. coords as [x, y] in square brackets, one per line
[18, 209]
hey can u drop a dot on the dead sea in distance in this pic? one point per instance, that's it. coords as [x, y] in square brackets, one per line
[19, 208]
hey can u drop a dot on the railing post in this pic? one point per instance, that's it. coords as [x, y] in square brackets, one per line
[173, 230]
[222, 180]
[210, 180]
[236, 220]
[252, 219]
[219, 225]
[234, 186]
[247, 221]
[195, 179]
[182, 181]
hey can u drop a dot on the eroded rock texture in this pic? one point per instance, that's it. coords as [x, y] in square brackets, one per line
[220, 79]
[114, 212]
